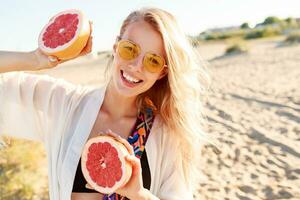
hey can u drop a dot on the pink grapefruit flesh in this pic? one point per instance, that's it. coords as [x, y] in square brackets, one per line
[103, 164]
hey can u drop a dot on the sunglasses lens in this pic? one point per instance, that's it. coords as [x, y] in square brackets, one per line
[127, 50]
[153, 63]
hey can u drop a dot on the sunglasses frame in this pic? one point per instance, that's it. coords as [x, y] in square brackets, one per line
[119, 40]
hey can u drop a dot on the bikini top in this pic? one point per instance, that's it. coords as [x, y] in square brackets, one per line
[137, 139]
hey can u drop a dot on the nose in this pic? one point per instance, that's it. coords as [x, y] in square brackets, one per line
[137, 64]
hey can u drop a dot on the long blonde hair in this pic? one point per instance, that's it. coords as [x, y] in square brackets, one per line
[177, 97]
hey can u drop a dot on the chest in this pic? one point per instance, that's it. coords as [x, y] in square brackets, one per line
[122, 127]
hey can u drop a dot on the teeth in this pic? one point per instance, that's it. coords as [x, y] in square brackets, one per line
[129, 78]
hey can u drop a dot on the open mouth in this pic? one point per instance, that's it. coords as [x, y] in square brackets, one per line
[129, 80]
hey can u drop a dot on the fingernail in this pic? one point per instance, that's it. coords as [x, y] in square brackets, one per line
[52, 59]
[88, 186]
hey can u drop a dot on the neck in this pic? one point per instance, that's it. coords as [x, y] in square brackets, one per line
[117, 106]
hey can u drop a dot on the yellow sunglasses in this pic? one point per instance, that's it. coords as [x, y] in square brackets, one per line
[128, 50]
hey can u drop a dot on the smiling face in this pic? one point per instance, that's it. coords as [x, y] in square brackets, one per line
[125, 72]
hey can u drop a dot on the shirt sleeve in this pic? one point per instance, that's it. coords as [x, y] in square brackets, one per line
[29, 103]
[173, 184]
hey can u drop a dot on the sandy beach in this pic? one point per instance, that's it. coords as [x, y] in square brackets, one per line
[254, 112]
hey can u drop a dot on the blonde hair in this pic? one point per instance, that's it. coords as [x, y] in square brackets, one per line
[177, 97]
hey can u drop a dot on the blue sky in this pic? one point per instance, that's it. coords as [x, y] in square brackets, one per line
[22, 20]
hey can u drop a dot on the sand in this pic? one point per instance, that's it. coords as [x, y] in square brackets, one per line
[254, 112]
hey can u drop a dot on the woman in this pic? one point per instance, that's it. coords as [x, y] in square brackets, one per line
[153, 67]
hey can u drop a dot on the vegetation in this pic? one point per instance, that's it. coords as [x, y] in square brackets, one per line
[271, 26]
[245, 26]
[293, 38]
[265, 32]
[237, 48]
[271, 20]
[23, 173]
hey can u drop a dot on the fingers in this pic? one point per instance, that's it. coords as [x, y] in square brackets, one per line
[88, 47]
[52, 58]
[89, 44]
[88, 186]
[135, 163]
[53, 61]
[91, 26]
[118, 138]
[122, 140]
[101, 133]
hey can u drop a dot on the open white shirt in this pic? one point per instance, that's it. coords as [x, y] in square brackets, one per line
[61, 116]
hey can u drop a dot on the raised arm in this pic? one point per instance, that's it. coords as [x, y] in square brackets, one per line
[35, 60]
[25, 61]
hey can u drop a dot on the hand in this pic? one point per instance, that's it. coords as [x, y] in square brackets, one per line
[42, 61]
[133, 189]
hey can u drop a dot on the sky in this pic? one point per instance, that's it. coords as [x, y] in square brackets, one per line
[22, 20]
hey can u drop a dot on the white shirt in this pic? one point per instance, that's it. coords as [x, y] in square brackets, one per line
[61, 116]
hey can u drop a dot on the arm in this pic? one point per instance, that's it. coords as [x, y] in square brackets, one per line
[34, 60]
[23, 61]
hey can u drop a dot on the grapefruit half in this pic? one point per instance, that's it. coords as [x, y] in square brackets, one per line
[103, 164]
[65, 35]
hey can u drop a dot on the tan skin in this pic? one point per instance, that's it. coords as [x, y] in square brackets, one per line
[119, 119]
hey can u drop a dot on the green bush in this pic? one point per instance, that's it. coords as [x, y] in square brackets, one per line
[236, 48]
[211, 36]
[291, 23]
[254, 34]
[293, 38]
[261, 33]
[271, 20]
[225, 35]
[245, 26]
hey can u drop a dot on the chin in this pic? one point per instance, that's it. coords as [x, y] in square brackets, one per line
[124, 91]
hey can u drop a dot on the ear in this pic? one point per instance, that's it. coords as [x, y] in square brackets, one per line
[163, 73]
